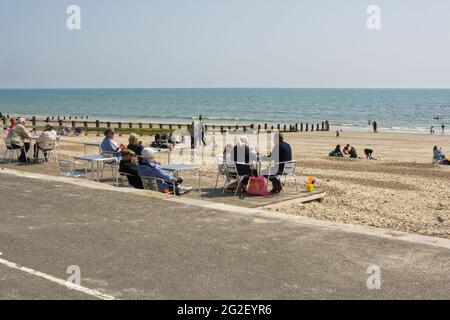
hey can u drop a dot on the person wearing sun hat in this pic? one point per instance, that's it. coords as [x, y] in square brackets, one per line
[129, 167]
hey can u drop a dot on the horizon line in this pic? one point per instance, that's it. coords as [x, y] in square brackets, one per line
[151, 88]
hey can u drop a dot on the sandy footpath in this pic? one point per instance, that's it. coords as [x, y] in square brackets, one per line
[402, 190]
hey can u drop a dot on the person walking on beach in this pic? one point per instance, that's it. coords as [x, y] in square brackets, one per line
[443, 128]
[375, 127]
[432, 130]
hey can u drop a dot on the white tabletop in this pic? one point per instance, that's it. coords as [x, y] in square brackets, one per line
[95, 157]
[93, 143]
[179, 167]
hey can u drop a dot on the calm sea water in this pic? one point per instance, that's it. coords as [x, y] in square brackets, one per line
[395, 109]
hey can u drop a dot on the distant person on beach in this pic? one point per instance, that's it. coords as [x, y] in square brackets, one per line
[109, 145]
[13, 123]
[130, 168]
[160, 142]
[443, 128]
[437, 154]
[337, 133]
[201, 126]
[336, 152]
[135, 145]
[368, 153]
[19, 138]
[45, 142]
[375, 127]
[281, 152]
[432, 130]
[352, 153]
[152, 168]
[346, 150]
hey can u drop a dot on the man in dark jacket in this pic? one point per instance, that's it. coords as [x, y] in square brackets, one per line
[281, 152]
[130, 168]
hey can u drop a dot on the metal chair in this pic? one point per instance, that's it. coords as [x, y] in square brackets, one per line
[113, 164]
[152, 183]
[50, 148]
[232, 174]
[288, 171]
[10, 152]
[67, 169]
[221, 171]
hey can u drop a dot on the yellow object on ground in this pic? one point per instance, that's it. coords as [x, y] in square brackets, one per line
[310, 187]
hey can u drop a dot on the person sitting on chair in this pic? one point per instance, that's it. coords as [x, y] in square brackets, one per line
[46, 142]
[282, 152]
[109, 145]
[243, 157]
[130, 168]
[152, 169]
[135, 145]
[18, 136]
[437, 154]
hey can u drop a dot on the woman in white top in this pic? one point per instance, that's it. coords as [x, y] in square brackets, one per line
[46, 142]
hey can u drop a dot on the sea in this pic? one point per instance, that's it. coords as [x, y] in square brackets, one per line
[345, 109]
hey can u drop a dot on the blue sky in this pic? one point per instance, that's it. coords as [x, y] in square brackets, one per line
[224, 43]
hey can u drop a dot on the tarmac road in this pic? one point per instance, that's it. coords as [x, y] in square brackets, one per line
[133, 247]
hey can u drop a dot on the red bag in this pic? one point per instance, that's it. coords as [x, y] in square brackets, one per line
[257, 186]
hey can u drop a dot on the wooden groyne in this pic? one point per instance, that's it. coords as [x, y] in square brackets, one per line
[96, 126]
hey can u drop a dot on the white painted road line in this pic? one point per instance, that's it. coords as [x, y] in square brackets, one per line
[61, 282]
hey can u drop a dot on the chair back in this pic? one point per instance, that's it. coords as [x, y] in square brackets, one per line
[47, 145]
[231, 169]
[150, 183]
[289, 167]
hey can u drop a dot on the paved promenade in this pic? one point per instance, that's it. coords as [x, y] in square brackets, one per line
[129, 246]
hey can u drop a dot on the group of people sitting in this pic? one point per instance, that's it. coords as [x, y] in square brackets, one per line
[244, 156]
[138, 162]
[439, 156]
[19, 137]
[350, 152]
[163, 141]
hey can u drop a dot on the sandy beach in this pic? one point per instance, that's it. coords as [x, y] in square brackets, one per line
[401, 190]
